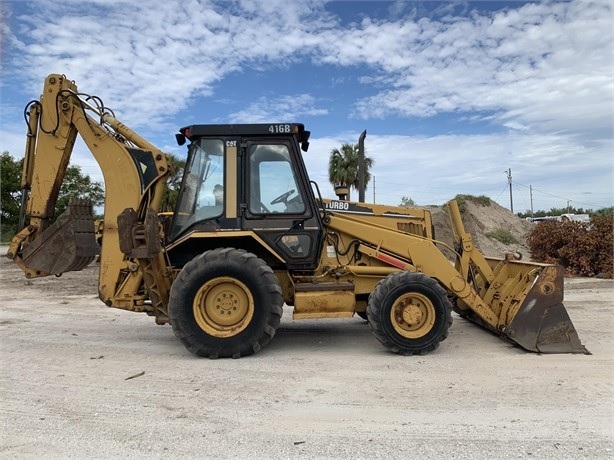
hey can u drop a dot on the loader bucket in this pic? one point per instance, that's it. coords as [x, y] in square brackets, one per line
[520, 301]
[69, 244]
[542, 323]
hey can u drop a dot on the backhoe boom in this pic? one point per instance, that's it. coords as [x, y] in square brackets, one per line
[134, 173]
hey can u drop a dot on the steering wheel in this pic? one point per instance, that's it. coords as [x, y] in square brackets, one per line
[283, 197]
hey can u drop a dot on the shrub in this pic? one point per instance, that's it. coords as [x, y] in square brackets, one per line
[481, 200]
[582, 249]
[461, 200]
[503, 235]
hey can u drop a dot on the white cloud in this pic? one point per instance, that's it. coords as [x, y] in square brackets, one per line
[546, 65]
[13, 138]
[524, 64]
[160, 55]
[540, 73]
[432, 170]
[281, 108]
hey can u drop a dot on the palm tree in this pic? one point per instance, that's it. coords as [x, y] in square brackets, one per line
[343, 167]
[173, 183]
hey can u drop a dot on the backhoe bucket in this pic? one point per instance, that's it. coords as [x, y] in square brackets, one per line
[542, 323]
[69, 244]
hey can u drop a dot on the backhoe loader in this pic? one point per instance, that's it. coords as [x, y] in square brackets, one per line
[251, 233]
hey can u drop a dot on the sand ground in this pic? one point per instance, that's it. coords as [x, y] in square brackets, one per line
[321, 389]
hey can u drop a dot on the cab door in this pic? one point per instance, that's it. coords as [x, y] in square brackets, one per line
[277, 204]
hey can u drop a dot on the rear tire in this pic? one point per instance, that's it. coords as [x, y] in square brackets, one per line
[225, 303]
[409, 313]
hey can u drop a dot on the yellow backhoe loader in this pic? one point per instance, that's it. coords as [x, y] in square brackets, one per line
[250, 232]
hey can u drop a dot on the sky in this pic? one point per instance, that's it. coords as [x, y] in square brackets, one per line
[454, 95]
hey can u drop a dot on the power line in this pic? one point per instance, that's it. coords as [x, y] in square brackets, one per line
[567, 199]
[504, 189]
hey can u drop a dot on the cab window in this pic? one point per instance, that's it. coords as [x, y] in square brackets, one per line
[273, 188]
[202, 192]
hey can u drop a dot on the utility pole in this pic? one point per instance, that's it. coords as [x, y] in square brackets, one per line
[509, 181]
[361, 167]
[373, 189]
[531, 196]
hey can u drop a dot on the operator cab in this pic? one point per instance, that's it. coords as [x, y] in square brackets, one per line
[249, 178]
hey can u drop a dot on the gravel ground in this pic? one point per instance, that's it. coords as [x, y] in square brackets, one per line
[79, 380]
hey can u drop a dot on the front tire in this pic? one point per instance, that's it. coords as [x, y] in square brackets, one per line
[409, 313]
[225, 303]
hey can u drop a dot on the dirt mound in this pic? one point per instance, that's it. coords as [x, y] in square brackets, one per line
[485, 222]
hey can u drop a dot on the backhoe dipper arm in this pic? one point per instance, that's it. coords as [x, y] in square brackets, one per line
[134, 173]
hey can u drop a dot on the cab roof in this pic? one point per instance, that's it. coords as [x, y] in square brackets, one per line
[260, 129]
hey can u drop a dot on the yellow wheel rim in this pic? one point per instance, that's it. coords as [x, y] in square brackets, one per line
[223, 307]
[413, 315]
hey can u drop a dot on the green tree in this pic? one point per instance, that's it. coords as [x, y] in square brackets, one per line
[78, 185]
[75, 184]
[10, 194]
[567, 210]
[608, 212]
[343, 167]
[173, 183]
[407, 202]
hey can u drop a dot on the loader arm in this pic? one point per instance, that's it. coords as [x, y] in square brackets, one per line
[520, 301]
[134, 173]
[413, 253]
